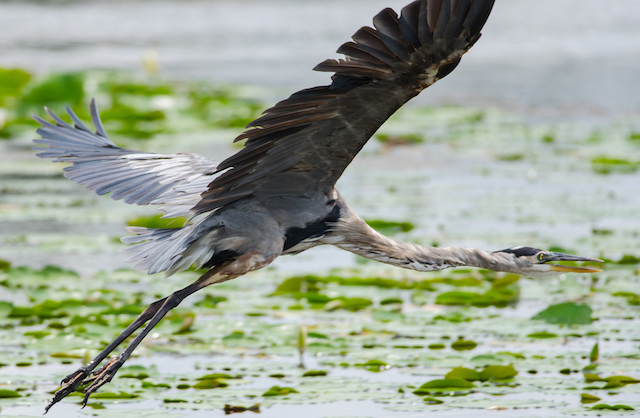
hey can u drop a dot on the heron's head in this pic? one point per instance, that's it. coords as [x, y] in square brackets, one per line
[532, 262]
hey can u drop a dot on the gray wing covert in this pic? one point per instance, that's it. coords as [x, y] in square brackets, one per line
[304, 143]
[173, 180]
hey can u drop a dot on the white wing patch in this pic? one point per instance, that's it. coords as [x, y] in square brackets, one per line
[174, 181]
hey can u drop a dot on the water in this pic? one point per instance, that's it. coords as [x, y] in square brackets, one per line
[544, 59]
[548, 57]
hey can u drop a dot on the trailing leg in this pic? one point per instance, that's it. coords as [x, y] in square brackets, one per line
[74, 380]
[153, 313]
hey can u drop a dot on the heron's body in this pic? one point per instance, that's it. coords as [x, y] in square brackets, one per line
[276, 196]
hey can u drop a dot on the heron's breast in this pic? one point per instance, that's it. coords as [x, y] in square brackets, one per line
[300, 239]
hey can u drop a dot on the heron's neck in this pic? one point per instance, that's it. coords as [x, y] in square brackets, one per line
[351, 233]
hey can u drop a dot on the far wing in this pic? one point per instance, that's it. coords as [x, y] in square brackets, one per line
[305, 142]
[173, 180]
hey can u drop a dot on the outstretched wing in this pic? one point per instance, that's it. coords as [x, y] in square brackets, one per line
[173, 180]
[305, 142]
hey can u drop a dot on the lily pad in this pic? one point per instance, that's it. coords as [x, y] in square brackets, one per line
[279, 391]
[6, 393]
[588, 398]
[497, 372]
[452, 383]
[567, 313]
[463, 373]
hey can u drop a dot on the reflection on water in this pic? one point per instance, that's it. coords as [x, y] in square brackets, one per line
[574, 56]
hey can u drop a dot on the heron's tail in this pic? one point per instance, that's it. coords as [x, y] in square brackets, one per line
[171, 249]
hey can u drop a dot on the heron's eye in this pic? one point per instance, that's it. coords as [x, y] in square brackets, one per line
[541, 256]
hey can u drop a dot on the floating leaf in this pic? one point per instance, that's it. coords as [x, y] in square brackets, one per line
[567, 313]
[629, 259]
[37, 334]
[497, 372]
[456, 298]
[134, 372]
[463, 345]
[228, 409]
[291, 285]
[210, 301]
[453, 383]
[463, 373]
[542, 335]
[157, 221]
[374, 365]
[592, 377]
[6, 393]
[279, 391]
[210, 384]
[507, 280]
[314, 373]
[216, 376]
[432, 401]
[12, 82]
[625, 380]
[593, 356]
[187, 324]
[57, 88]
[587, 398]
[602, 406]
[389, 227]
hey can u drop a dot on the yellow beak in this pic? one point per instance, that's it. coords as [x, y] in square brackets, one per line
[572, 269]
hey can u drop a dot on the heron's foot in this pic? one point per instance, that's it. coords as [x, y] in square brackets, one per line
[68, 385]
[100, 377]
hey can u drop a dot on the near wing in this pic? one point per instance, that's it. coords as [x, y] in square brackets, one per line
[173, 180]
[305, 142]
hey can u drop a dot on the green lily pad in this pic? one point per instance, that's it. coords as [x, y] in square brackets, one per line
[432, 401]
[389, 227]
[374, 365]
[542, 335]
[497, 372]
[604, 406]
[314, 373]
[452, 383]
[6, 393]
[210, 384]
[463, 373]
[567, 313]
[12, 81]
[588, 398]
[463, 345]
[279, 391]
[216, 376]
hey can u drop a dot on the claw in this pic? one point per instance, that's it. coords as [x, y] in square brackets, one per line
[68, 385]
[100, 377]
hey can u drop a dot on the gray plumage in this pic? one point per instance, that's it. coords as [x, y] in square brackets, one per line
[276, 196]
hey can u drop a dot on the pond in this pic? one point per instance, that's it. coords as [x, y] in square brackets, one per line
[380, 341]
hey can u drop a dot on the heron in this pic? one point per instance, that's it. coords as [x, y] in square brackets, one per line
[277, 195]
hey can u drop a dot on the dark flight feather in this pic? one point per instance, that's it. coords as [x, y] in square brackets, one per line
[321, 129]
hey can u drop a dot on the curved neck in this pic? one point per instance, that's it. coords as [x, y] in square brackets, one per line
[352, 233]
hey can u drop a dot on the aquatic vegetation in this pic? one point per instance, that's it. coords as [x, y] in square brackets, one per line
[608, 165]
[389, 227]
[463, 339]
[132, 107]
[568, 313]
[157, 221]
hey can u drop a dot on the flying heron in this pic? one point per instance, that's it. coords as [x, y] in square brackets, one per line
[276, 196]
